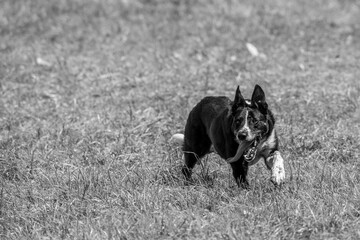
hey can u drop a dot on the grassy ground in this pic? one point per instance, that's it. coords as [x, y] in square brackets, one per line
[91, 91]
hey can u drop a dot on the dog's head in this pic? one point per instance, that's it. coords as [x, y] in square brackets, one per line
[250, 120]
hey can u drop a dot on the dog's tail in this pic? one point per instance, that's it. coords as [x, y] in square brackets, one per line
[177, 138]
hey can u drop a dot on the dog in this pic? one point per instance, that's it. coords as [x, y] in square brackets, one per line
[241, 131]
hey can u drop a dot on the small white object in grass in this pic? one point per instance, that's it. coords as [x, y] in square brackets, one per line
[177, 138]
[252, 49]
[42, 62]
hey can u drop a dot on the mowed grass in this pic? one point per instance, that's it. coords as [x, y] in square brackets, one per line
[92, 91]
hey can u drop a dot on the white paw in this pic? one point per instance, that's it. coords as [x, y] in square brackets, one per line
[277, 170]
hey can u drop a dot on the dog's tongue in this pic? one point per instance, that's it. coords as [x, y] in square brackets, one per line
[239, 152]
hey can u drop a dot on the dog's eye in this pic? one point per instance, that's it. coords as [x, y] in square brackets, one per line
[237, 123]
[259, 124]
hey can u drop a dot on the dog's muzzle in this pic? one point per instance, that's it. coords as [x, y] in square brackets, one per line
[250, 152]
[247, 150]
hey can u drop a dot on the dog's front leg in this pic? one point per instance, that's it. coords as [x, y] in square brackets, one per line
[275, 163]
[240, 170]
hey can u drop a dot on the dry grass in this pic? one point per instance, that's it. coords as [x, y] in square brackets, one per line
[91, 91]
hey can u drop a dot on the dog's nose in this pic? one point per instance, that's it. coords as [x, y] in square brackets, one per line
[243, 133]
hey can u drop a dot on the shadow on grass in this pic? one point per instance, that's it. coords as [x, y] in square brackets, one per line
[173, 177]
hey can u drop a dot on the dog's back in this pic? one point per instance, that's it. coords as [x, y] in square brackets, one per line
[209, 108]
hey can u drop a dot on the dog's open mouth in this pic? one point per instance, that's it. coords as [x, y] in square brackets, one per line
[247, 150]
[250, 152]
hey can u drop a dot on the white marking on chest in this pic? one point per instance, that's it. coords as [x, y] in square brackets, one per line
[271, 141]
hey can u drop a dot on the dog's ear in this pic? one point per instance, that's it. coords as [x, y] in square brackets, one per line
[258, 99]
[238, 100]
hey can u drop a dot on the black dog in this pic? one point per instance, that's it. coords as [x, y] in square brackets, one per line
[241, 131]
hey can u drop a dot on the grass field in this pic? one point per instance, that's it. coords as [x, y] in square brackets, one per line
[91, 92]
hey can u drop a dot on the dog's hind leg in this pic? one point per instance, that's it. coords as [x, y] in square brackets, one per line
[195, 147]
[190, 161]
[240, 170]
